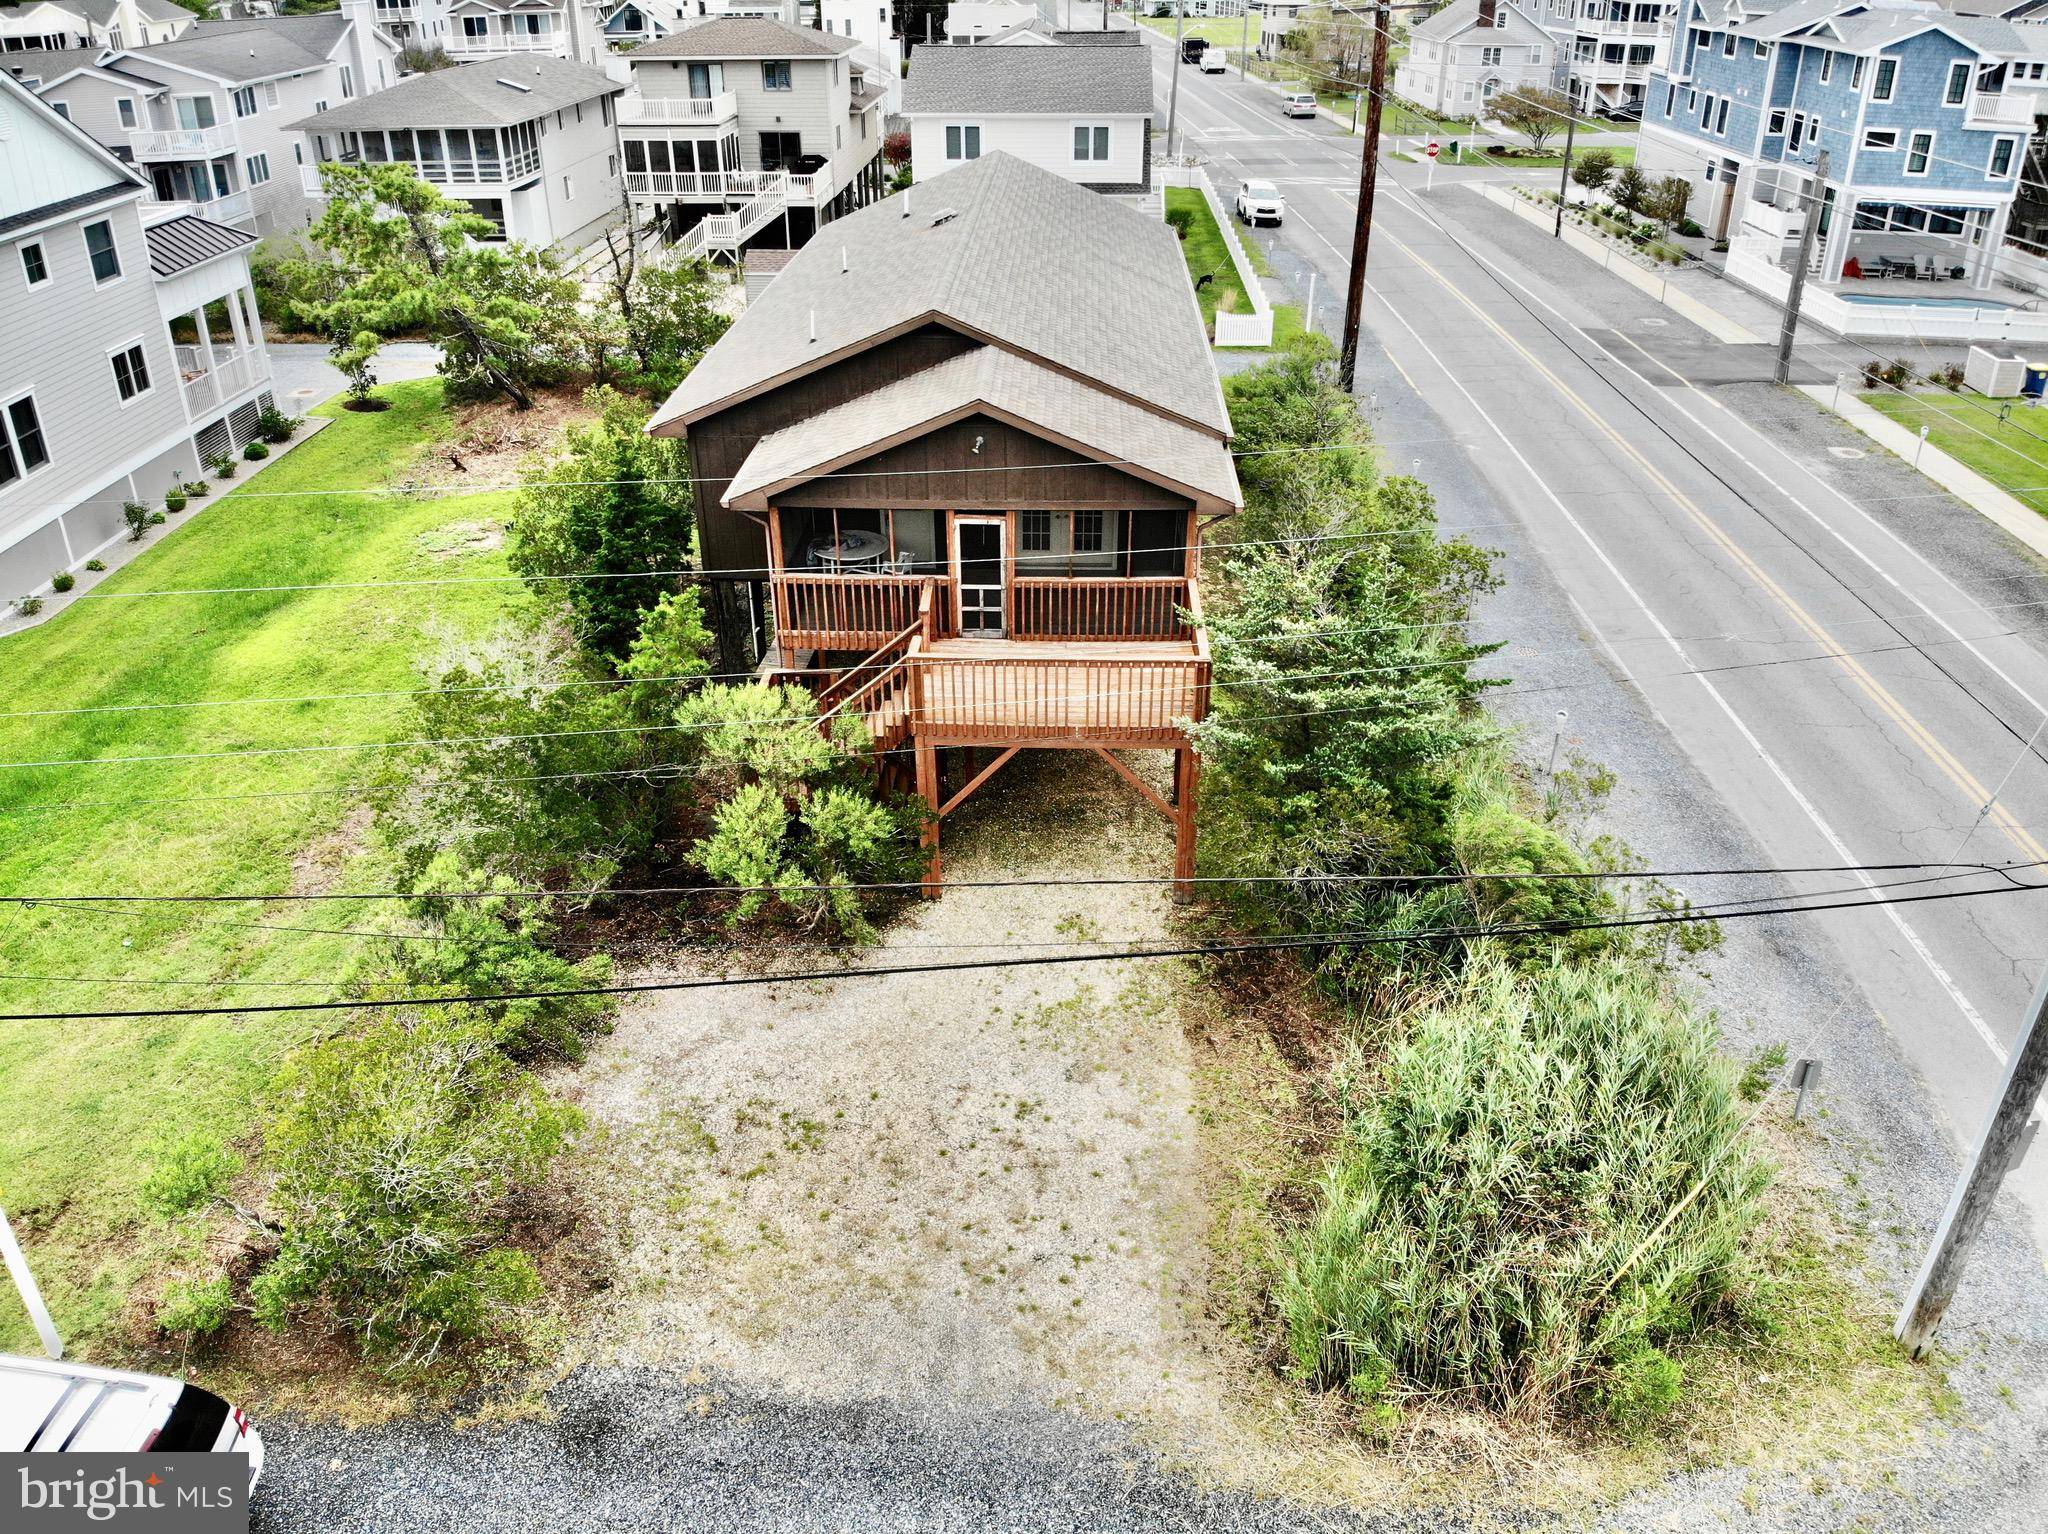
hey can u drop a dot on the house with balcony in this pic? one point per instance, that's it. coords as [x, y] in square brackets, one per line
[627, 25]
[742, 130]
[978, 502]
[133, 349]
[529, 143]
[1277, 20]
[1082, 113]
[1470, 52]
[1918, 110]
[207, 117]
[41, 26]
[1605, 50]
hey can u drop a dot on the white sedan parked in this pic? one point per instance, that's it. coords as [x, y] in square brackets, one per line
[1260, 202]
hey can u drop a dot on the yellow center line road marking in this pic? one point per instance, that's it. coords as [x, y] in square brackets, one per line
[1930, 745]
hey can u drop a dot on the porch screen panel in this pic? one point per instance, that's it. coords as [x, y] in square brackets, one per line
[1155, 542]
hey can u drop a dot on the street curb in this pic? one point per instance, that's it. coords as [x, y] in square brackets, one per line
[1964, 483]
[1708, 318]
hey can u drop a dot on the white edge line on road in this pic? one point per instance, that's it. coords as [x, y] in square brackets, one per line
[1806, 805]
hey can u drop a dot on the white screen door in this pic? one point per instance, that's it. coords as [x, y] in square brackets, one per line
[979, 554]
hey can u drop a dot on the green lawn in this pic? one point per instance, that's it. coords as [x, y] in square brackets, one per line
[1622, 154]
[83, 1105]
[1207, 254]
[1216, 31]
[2011, 454]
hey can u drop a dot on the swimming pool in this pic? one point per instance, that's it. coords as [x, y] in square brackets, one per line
[1886, 301]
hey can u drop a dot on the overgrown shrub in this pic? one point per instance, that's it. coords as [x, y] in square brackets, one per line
[1181, 221]
[95, 564]
[1509, 1217]
[795, 814]
[62, 581]
[255, 452]
[189, 1173]
[196, 1307]
[29, 605]
[273, 425]
[223, 465]
[394, 1156]
[136, 515]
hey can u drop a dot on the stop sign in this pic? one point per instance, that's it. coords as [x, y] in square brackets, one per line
[1432, 148]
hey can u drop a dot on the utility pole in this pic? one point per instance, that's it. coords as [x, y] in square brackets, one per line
[1970, 1204]
[1564, 176]
[1806, 235]
[1244, 43]
[1180, 18]
[1368, 178]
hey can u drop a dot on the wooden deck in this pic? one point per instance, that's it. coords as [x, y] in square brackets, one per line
[1058, 692]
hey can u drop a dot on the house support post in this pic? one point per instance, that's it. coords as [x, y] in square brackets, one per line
[1187, 770]
[928, 791]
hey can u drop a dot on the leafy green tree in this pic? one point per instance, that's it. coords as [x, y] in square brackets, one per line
[1668, 200]
[1538, 115]
[1305, 458]
[401, 257]
[1593, 170]
[671, 321]
[614, 502]
[1631, 189]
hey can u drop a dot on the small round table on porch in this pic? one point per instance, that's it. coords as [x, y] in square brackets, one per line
[856, 550]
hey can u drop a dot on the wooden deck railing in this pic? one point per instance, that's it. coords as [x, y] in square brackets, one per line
[1136, 607]
[853, 612]
[1065, 698]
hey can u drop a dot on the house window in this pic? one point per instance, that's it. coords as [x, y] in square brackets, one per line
[195, 112]
[611, 165]
[476, 26]
[1918, 153]
[131, 371]
[270, 97]
[257, 168]
[1088, 532]
[2002, 151]
[1856, 76]
[126, 110]
[1798, 133]
[1035, 532]
[775, 74]
[1763, 51]
[1774, 127]
[1827, 68]
[62, 109]
[33, 266]
[1091, 141]
[245, 101]
[1489, 57]
[1670, 98]
[99, 247]
[1880, 138]
[348, 83]
[1728, 45]
[568, 190]
[1707, 112]
[1885, 81]
[21, 441]
[963, 141]
[1958, 84]
[1721, 118]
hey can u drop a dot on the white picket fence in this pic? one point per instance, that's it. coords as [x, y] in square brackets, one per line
[1232, 329]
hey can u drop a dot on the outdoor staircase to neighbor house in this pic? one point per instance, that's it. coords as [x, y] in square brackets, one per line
[762, 196]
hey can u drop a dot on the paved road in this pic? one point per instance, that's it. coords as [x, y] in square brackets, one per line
[1852, 691]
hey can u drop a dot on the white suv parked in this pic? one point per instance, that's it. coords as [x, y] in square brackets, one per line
[49, 1406]
[1260, 202]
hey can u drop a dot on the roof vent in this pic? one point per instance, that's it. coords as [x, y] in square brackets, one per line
[524, 90]
[944, 216]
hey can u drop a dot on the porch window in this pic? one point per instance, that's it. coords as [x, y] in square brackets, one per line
[1088, 537]
[476, 26]
[195, 112]
[1035, 533]
[1919, 153]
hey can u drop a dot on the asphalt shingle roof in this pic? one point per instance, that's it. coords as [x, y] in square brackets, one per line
[1862, 25]
[257, 49]
[746, 37]
[1027, 260]
[1009, 385]
[470, 96]
[179, 243]
[1053, 79]
[1116, 37]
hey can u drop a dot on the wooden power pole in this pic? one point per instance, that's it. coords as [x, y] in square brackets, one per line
[1806, 235]
[1970, 1205]
[1368, 179]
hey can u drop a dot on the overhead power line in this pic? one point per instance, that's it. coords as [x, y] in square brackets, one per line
[1221, 948]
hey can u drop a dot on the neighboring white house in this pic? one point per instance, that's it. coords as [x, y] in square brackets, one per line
[1277, 18]
[132, 347]
[740, 129]
[485, 29]
[870, 24]
[1468, 53]
[976, 21]
[628, 23]
[1082, 113]
[28, 26]
[1605, 49]
[528, 143]
[207, 115]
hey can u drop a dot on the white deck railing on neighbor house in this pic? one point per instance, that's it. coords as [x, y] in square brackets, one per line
[182, 143]
[677, 109]
[1750, 263]
[206, 389]
[2004, 109]
[1255, 328]
[505, 42]
[235, 208]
